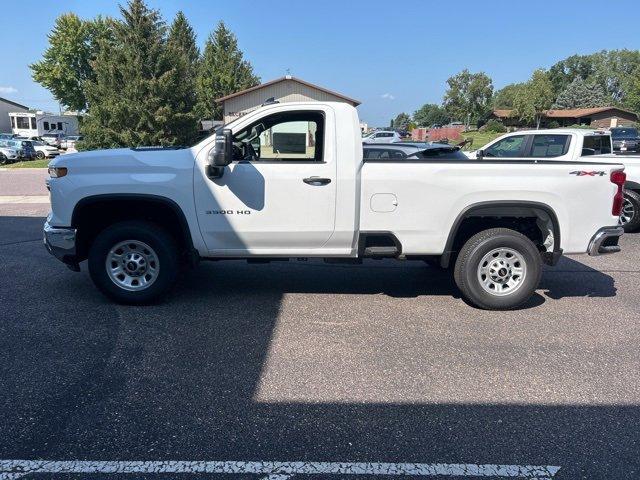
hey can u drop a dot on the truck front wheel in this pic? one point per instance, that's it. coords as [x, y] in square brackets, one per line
[498, 269]
[133, 262]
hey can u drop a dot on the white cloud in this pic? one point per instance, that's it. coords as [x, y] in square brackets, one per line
[8, 90]
[388, 96]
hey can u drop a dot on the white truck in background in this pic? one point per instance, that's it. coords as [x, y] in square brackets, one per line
[571, 144]
[263, 188]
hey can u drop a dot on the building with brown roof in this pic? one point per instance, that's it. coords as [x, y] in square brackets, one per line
[284, 89]
[598, 117]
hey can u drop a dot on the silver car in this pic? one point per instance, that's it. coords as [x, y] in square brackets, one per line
[382, 136]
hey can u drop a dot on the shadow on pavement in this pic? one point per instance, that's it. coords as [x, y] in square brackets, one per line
[81, 378]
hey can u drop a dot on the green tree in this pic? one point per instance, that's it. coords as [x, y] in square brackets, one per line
[182, 42]
[468, 96]
[401, 122]
[562, 73]
[66, 65]
[505, 97]
[222, 71]
[138, 95]
[582, 94]
[430, 114]
[182, 39]
[536, 97]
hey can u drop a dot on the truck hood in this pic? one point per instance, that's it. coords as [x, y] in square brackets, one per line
[121, 160]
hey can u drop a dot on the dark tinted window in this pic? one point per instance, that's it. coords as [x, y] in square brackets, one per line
[23, 122]
[548, 146]
[624, 132]
[596, 145]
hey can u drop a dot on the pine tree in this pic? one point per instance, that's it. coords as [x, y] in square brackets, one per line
[182, 38]
[182, 42]
[222, 71]
[582, 94]
[139, 96]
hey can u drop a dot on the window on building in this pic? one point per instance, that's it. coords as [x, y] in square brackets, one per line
[33, 123]
[59, 125]
[46, 125]
[507, 147]
[13, 122]
[287, 136]
[22, 122]
[548, 146]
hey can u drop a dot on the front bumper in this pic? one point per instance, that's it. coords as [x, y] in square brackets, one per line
[61, 243]
[605, 241]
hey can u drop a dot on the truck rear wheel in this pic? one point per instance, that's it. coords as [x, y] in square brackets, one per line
[498, 269]
[133, 262]
[630, 216]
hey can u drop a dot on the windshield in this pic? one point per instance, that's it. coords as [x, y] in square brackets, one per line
[624, 132]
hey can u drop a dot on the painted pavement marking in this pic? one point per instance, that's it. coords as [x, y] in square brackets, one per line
[12, 469]
[19, 199]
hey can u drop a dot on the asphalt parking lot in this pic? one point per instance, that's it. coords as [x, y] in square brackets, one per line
[304, 362]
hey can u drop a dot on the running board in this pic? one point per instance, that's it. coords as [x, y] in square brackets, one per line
[381, 252]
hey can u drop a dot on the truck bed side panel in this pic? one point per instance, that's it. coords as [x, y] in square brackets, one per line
[429, 197]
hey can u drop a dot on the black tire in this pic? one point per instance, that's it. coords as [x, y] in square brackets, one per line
[466, 271]
[632, 199]
[161, 243]
[40, 155]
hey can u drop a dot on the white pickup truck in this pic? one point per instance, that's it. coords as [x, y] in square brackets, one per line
[288, 181]
[571, 144]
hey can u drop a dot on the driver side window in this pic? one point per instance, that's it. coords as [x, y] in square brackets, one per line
[282, 137]
[507, 147]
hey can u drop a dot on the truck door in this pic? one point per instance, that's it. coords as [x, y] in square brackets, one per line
[278, 196]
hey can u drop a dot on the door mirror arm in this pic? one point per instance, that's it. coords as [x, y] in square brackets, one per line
[221, 155]
[480, 154]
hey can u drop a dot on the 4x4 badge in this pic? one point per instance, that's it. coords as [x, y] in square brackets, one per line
[583, 173]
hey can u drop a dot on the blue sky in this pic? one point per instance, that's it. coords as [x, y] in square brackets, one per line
[392, 56]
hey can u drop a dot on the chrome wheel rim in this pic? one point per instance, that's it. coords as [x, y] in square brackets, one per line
[628, 212]
[502, 271]
[132, 265]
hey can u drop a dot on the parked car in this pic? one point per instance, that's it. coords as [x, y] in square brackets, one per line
[8, 155]
[15, 145]
[44, 150]
[137, 213]
[411, 151]
[70, 141]
[571, 144]
[625, 139]
[382, 136]
[29, 152]
[7, 136]
[54, 139]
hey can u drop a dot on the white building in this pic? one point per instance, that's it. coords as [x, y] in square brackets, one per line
[35, 124]
[7, 106]
[284, 89]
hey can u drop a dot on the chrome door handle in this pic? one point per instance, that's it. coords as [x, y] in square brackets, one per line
[316, 180]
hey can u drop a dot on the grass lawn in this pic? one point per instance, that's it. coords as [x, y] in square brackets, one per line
[29, 164]
[480, 139]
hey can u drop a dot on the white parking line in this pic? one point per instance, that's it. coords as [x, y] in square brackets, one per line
[17, 199]
[275, 470]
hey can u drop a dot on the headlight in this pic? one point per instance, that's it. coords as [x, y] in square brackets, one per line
[57, 172]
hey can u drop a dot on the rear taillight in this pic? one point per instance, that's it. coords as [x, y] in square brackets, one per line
[619, 178]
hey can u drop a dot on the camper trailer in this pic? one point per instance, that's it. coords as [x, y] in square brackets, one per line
[36, 124]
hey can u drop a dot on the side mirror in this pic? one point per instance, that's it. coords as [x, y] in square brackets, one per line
[221, 155]
[479, 154]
